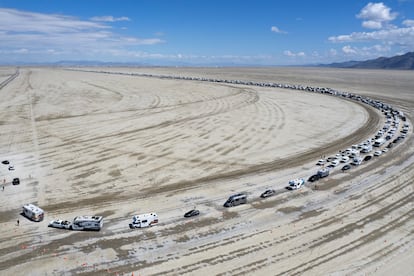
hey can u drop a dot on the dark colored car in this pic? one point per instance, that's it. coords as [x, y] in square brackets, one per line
[268, 193]
[367, 158]
[346, 167]
[192, 213]
[16, 181]
[5, 162]
[390, 145]
[314, 178]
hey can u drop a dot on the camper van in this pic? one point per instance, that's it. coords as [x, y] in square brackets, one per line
[87, 223]
[235, 200]
[33, 212]
[145, 220]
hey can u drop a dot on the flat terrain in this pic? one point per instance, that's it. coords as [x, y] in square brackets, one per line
[89, 143]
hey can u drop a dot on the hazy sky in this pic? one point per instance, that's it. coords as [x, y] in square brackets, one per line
[225, 32]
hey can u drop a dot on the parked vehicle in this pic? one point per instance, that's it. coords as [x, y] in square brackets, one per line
[16, 181]
[296, 184]
[87, 223]
[11, 168]
[344, 159]
[378, 153]
[324, 172]
[33, 212]
[346, 167]
[268, 193]
[144, 220]
[356, 161]
[192, 213]
[235, 200]
[366, 149]
[5, 162]
[335, 163]
[379, 142]
[62, 224]
[321, 162]
[314, 178]
[367, 158]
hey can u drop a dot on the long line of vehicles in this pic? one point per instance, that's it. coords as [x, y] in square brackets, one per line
[352, 156]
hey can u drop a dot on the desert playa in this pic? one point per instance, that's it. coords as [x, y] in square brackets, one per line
[84, 142]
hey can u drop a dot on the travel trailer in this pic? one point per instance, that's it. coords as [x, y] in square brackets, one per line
[33, 212]
[235, 200]
[144, 220]
[87, 223]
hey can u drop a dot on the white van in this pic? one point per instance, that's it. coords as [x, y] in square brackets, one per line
[144, 220]
[87, 223]
[33, 212]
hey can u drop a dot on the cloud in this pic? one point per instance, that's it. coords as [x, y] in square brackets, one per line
[408, 23]
[109, 18]
[63, 34]
[275, 29]
[292, 54]
[365, 51]
[375, 15]
[400, 36]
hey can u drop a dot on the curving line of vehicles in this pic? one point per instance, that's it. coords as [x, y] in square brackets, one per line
[352, 156]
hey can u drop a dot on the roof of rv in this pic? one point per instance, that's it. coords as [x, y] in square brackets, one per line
[33, 208]
[146, 215]
[79, 218]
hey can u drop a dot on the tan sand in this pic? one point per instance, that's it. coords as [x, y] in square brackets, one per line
[114, 145]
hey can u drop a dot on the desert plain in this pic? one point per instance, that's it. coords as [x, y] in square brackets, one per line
[84, 142]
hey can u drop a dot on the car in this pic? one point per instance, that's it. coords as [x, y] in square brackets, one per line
[389, 146]
[344, 159]
[192, 213]
[367, 158]
[16, 181]
[321, 162]
[385, 150]
[346, 167]
[61, 224]
[5, 162]
[314, 178]
[378, 153]
[267, 193]
[335, 163]
[11, 168]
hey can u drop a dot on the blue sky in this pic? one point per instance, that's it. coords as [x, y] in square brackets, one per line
[226, 32]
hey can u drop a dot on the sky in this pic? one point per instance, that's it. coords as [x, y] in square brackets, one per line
[204, 32]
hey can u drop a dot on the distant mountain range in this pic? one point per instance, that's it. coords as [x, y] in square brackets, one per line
[403, 62]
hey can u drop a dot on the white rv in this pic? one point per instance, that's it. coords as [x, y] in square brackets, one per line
[87, 223]
[144, 220]
[33, 212]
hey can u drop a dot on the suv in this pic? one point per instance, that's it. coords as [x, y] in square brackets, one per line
[16, 181]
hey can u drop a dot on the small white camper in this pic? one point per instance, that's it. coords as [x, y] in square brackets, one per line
[296, 184]
[33, 212]
[144, 220]
[87, 223]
